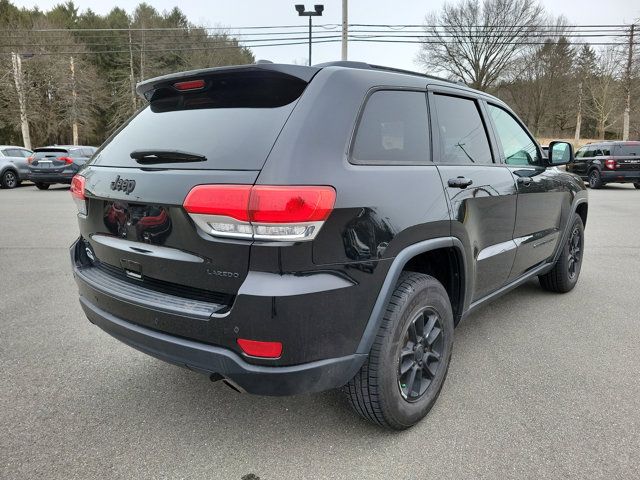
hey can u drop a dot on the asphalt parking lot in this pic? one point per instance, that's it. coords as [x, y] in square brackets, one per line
[541, 385]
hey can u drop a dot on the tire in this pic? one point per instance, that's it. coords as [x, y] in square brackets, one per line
[9, 179]
[42, 186]
[595, 180]
[565, 273]
[637, 185]
[380, 392]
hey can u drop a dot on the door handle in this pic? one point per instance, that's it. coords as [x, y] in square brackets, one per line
[459, 182]
[524, 181]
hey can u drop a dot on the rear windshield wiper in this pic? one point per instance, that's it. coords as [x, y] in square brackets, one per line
[165, 156]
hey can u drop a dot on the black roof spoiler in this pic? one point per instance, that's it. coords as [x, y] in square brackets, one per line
[305, 73]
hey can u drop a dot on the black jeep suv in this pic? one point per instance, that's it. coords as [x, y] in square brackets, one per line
[292, 229]
[608, 162]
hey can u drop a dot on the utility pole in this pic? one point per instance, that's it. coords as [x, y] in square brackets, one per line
[22, 101]
[579, 116]
[627, 103]
[345, 28]
[316, 12]
[132, 78]
[74, 102]
[142, 54]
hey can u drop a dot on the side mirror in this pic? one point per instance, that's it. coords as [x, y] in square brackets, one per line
[560, 153]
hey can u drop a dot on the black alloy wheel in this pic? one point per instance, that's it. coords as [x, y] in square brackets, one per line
[595, 181]
[420, 355]
[575, 252]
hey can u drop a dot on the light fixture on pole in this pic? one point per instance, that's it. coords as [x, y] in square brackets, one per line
[316, 12]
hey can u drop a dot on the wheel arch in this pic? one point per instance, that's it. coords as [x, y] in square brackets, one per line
[593, 167]
[582, 209]
[10, 168]
[442, 258]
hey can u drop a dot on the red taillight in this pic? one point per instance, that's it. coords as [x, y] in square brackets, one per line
[189, 85]
[30, 159]
[77, 193]
[256, 348]
[225, 200]
[290, 204]
[66, 160]
[261, 212]
[77, 187]
[611, 164]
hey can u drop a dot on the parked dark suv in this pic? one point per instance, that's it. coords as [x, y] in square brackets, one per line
[292, 229]
[57, 164]
[608, 162]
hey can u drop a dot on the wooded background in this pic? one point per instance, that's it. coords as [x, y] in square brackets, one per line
[68, 67]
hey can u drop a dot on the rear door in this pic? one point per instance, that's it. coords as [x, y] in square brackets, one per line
[136, 184]
[627, 156]
[18, 157]
[542, 197]
[481, 191]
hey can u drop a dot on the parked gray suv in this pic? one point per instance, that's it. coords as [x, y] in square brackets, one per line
[14, 166]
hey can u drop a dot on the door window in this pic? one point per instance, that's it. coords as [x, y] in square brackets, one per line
[393, 130]
[12, 152]
[463, 136]
[518, 147]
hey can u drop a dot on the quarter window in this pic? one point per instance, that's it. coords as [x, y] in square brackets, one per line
[393, 130]
[517, 145]
[463, 137]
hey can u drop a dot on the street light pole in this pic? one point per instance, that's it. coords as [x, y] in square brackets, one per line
[310, 40]
[316, 12]
[345, 28]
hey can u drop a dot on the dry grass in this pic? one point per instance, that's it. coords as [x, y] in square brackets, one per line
[576, 145]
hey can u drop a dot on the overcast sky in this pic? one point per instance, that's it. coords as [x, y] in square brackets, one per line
[235, 13]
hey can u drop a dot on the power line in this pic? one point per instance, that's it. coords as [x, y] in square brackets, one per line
[352, 35]
[224, 47]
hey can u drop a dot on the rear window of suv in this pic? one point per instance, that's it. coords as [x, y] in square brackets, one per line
[627, 150]
[234, 122]
[59, 152]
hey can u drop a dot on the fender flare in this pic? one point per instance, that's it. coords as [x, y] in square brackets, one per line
[396, 268]
[578, 200]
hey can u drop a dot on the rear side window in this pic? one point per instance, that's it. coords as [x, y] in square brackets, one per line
[393, 130]
[12, 152]
[77, 152]
[463, 137]
[234, 122]
[629, 150]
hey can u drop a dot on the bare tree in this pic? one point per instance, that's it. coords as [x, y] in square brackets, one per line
[604, 91]
[477, 42]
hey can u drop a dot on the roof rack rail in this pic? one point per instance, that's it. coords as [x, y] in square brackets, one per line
[411, 72]
[363, 65]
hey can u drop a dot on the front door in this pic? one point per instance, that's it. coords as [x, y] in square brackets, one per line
[542, 198]
[481, 191]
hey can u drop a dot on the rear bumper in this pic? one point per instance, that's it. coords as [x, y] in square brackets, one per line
[612, 176]
[203, 358]
[320, 346]
[62, 177]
